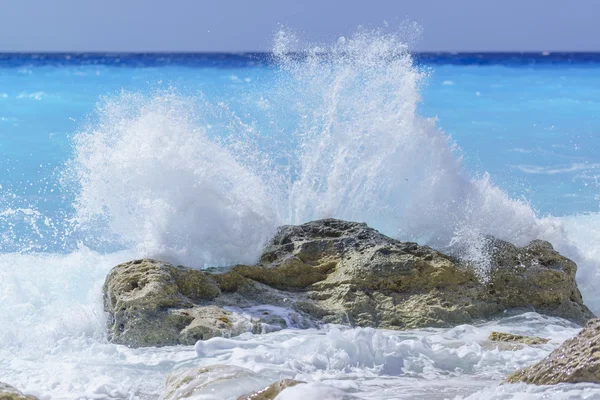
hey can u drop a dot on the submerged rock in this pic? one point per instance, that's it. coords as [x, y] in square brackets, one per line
[335, 271]
[271, 391]
[227, 380]
[576, 360]
[507, 337]
[8, 392]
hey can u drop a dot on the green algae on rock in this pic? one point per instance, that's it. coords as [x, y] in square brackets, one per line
[8, 392]
[508, 337]
[576, 360]
[333, 271]
[153, 303]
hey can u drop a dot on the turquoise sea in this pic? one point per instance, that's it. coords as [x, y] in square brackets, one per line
[197, 158]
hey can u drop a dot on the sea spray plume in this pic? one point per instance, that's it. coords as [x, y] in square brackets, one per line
[150, 175]
[360, 132]
[365, 153]
[336, 133]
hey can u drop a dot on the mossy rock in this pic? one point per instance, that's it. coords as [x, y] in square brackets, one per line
[8, 392]
[507, 337]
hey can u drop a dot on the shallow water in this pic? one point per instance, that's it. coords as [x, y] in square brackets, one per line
[197, 160]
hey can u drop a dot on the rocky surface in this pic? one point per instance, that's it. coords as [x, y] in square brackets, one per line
[8, 392]
[271, 391]
[153, 303]
[576, 360]
[507, 337]
[335, 271]
[206, 381]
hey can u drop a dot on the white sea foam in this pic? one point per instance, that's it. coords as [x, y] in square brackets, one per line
[54, 346]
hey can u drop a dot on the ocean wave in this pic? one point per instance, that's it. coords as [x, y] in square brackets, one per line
[341, 138]
[552, 170]
[34, 96]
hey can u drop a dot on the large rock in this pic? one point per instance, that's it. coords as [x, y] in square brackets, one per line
[8, 392]
[335, 272]
[576, 360]
[351, 273]
[153, 303]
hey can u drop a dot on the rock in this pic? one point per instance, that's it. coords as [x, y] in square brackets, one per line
[576, 360]
[352, 274]
[227, 380]
[8, 392]
[271, 391]
[538, 277]
[507, 337]
[153, 303]
[333, 271]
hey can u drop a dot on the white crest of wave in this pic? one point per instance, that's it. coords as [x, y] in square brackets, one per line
[337, 133]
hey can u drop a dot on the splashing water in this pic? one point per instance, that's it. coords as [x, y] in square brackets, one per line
[162, 187]
[335, 134]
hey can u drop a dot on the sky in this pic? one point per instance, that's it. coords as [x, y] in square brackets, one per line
[249, 25]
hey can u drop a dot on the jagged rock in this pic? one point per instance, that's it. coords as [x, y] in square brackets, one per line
[507, 337]
[271, 391]
[576, 360]
[222, 379]
[535, 276]
[351, 273]
[335, 271]
[8, 392]
[153, 303]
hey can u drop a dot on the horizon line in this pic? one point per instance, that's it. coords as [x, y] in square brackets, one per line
[165, 52]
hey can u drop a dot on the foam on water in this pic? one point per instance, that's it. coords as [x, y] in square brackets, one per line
[201, 181]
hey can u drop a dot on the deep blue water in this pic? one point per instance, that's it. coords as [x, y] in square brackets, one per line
[232, 60]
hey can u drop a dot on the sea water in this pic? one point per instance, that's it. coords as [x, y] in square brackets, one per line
[197, 159]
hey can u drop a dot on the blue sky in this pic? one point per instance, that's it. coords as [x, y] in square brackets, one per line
[245, 25]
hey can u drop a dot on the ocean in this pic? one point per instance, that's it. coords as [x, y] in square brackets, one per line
[198, 158]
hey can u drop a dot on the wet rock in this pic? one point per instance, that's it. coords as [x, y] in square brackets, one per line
[335, 271]
[227, 380]
[352, 274]
[8, 392]
[153, 303]
[271, 391]
[576, 360]
[535, 276]
[507, 337]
